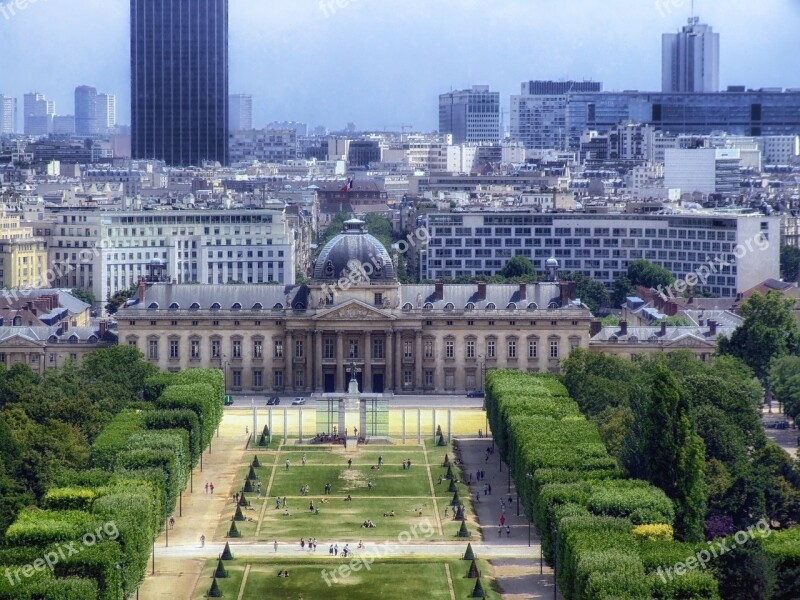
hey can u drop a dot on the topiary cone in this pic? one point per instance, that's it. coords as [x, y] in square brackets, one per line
[446, 462]
[220, 573]
[441, 441]
[477, 591]
[449, 474]
[242, 500]
[453, 487]
[214, 592]
[456, 501]
[469, 554]
[226, 552]
[462, 514]
[248, 487]
[262, 441]
[239, 516]
[473, 572]
[265, 431]
[255, 462]
[233, 531]
[439, 430]
[463, 532]
[252, 473]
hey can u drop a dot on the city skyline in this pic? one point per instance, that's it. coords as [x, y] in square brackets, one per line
[339, 49]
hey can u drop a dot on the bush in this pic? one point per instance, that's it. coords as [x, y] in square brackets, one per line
[40, 528]
[68, 498]
[783, 548]
[655, 532]
[693, 585]
[178, 419]
[626, 498]
[196, 397]
[98, 562]
[115, 437]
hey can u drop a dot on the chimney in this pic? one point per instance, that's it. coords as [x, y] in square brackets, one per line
[671, 309]
[623, 327]
[663, 328]
[568, 289]
[141, 290]
[439, 290]
[481, 290]
[523, 291]
[595, 327]
[712, 326]
[103, 328]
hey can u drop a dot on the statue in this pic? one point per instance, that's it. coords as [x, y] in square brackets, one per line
[386, 302]
[419, 300]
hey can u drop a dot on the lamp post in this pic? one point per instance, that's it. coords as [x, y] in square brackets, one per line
[529, 478]
[166, 522]
[191, 467]
[555, 580]
[153, 571]
[201, 442]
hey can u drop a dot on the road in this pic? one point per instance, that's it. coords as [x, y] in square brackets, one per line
[411, 401]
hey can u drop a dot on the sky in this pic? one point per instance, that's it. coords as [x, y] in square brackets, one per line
[383, 63]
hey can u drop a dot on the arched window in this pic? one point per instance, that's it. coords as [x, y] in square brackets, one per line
[653, 338]
[469, 306]
[299, 306]
[236, 306]
[428, 306]
[216, 306]
[258, 306]
[53, 339]
[194, 306]
[449, 306]
[92, 339]
[174, 306]
[153, 306]
[73, 338]
[407, 306]
[278, 306]
[491, 306]
[553, 305]
[511, 306]
[533, 306]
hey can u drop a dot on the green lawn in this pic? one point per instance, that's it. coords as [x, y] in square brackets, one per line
[346, 579]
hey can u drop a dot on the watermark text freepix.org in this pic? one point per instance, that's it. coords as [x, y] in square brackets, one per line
[104, 533]
[12, 7]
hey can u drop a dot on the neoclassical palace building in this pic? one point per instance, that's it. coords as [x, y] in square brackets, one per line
[402, 338]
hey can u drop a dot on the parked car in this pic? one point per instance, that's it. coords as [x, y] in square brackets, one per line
[782, 425]
[298, 402]
[228, 401]
[475, 394]
[273, 401]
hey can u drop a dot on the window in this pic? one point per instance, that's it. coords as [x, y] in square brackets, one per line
[258, 349]
[574, 343]
[408, 378]
[553, 348]
[299, 379]
[132, 342]
[470, 348]
[152, 350]
[377, 349]
[215, 348]
[328, 349]
[236, 348]
[407, 349]
[258, 378]
[278, 349]
[237, 378]
[428, 379]
[378, 299]
[491, 349]
[195, 349]
[512, 348]
[449, 349]
[353, 349]
[533, 349]
[298, 349]
[278, 379]
[428, 348]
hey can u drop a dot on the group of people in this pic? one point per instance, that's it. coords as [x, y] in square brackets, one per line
[283, 573]
[368, 524]
[209, 488]
[406, 464]
[312, 544]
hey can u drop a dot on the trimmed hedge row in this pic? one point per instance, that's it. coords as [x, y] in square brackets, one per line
[576, 494]
[142, 459]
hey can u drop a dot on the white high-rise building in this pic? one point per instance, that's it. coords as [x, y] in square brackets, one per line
[106, 112]
[240, 112]
[8, 114]
[705, 170]
[690, 59]
[39, 113]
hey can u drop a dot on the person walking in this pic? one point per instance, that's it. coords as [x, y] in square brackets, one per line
[502, 520]
[211, 487]
[206, 487]
[287, 464]
[202, 541]
[275, 545]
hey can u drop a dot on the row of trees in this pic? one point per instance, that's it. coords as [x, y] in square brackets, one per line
[131, 478]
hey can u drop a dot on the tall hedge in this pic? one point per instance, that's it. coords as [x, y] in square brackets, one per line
[197, 397]
[68, 498]
[98, 562]
[40, 528]
[115, 437]
[177, 419]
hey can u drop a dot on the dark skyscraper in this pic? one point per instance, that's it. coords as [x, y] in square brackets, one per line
[179, 80]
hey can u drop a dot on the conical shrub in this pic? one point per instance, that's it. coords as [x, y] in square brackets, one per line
[221, 572]
[439, 430]
[461, 514]
[469, 554]
[248, 487]
[441, 441]
[449, 474]
[214, 592]
[453, 487]
[263, 440]
[226, 552]
[256, 462]
[477, 591]
[242, 500]
[463, 532]
[265, 431]
[456, 501]
[239, 516]
[252, 473]
[473, 571]
[446, 462]
[234, 531]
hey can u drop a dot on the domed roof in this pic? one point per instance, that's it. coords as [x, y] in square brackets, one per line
[352, 250]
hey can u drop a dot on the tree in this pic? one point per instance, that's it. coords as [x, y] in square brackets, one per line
[620, 290]
[592, 293]
[784, 379]
[518, 266]
[769, 331]
[643, 272]
[790, 263]
[84, 294]
[117, 300]
[745, 573]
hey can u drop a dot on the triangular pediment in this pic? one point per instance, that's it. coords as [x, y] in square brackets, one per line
[691, 341]
[20, 341]
[353, 310]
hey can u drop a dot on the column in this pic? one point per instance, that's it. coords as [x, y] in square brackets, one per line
[340, 383]
[418, 362]
[398, 371]
[389, 383]
[366, 374]
[318, 383]
[308, 353]
[289, 360]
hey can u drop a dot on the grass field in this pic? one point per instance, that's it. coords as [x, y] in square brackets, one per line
[314, 579]
[417, 497]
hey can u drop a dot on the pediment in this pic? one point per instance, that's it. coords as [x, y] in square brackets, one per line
[691, 341]
[18, 341]
[354, 310]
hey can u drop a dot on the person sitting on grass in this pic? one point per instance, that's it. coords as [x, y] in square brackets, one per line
[349, 498]
[389, 514]
[286, 512]
[370, 484]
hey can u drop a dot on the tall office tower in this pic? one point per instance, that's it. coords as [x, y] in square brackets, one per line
[179, 80]
[8, 114]
[39, 113]
[241, 112]
[470, 115]
[106, 111]
[86, 110]
[690, 59]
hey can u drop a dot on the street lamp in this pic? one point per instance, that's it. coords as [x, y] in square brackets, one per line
[201, 442]
[153, 572]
